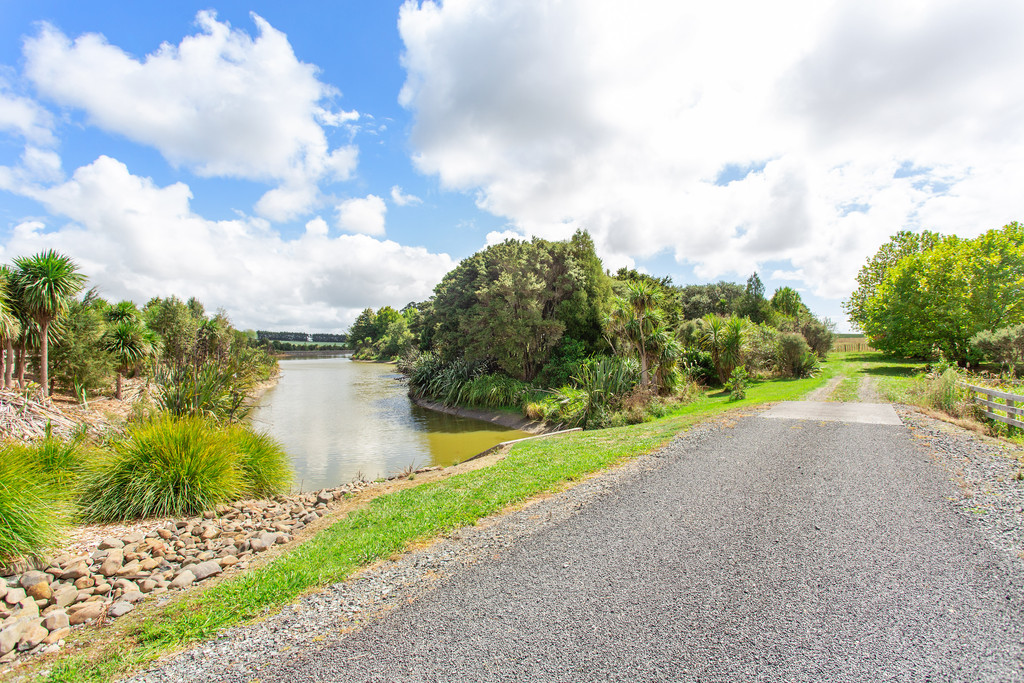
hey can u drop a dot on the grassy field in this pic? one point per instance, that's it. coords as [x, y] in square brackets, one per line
[389, 524]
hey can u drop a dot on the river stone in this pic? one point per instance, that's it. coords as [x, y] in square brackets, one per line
[184, 579]
[85, 611]
[228, 561]
[29, 579]
[32, 637]
[3, 590]
[134, 537]
[165, 534]
[85, 582]
[120, 608]
[15, 595]
[129, 569]
[111, 565]
[11, 634]
[41, 591]
[55, 620]
[205, 570]
[57, 636]
[108, 543]
[147, 585]
[65, 596]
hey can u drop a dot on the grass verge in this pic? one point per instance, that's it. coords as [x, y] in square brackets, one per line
[389, 524]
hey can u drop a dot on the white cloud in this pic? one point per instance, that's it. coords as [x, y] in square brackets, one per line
[220, 103]
[402, 199]
[365, 215]
[619, 118]
[25, 118]
[135, 239]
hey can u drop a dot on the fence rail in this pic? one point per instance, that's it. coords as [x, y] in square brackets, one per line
[993, 408]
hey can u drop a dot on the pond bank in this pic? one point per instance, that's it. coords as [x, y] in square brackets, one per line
[510, 420]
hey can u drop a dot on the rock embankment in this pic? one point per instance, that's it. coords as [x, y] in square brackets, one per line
[41, 601]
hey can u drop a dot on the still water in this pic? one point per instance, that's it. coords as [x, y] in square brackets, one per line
[340, 419]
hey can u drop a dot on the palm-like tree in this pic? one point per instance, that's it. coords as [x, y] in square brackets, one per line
[44, 284]
[130, 342]
[10, 328]
[636, 319]
[723, 339]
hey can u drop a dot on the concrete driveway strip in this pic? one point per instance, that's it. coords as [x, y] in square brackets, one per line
[775, 550]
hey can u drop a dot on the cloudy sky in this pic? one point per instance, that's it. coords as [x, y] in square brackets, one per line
[297, 162]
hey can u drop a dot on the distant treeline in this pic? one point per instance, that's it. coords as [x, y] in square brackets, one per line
[318, 337]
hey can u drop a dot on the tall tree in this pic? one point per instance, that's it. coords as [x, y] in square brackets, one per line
[129, 342]
[10, 327]
[636, 319]
[45, 284]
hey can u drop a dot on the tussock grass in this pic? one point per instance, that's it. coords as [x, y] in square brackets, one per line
[169, 466]
[265, 466]
[33, 510]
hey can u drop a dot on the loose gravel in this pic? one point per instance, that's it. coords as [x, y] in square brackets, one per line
[755, 550]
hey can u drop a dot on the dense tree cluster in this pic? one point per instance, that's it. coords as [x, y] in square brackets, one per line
[923, 294]
[545, 314]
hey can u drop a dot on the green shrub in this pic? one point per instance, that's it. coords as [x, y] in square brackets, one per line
[761, 351]
[698, 365]
[493, 391]
[737, 384]
[33, 510]
[608, 378]
[1004, 346]
[220, 392]
[265, 466]
[795, 357]
[167, 467]
[944, 392]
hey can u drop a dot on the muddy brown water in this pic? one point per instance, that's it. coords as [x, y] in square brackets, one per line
[341, 419]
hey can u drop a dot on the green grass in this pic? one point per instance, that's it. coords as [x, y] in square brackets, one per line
[33, 509]
[390, 523]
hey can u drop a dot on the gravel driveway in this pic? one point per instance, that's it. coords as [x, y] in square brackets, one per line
[762, 549]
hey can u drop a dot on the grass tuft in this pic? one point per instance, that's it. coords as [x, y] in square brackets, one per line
[265, 466]
[166, 467]
[33, 511]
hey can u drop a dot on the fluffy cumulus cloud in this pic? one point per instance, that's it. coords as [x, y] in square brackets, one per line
[362, 215]
[731, 134]
[135, 239]
[221, 103]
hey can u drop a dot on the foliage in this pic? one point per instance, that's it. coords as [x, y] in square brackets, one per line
[33, 512]
[876, 270]
[938, 298]
[698, 365]
[129, 342]
[607, 379]
[1004, 346]
[174, 321]
[166, 467]
[795, 356]
[720, 298]
[786, 301]
[761, 349]
[565, 361]
[44, 285]
[80, 361]
[209, 391]
[493, 390]
[265, 466]
[820, 335]
[752, 305]
[511, 303]
[723, 339]
[737, 384]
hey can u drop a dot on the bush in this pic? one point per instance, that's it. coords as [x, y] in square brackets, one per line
[820, 335]
[33, 511]
[167, 467]
[944, 393]
[737, 384]
[698, 366]
[265, 466]
[1004, 346]
[795, 357]
[564, 363]
[761, 351]
[494, 391]
[206, 391]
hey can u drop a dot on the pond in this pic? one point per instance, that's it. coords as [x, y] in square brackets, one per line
[341, 419]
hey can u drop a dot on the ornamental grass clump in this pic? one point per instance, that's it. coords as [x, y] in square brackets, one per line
[265, 466]
[166, 467]
[33, 510]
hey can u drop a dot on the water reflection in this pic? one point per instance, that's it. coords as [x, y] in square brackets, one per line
[341, 419]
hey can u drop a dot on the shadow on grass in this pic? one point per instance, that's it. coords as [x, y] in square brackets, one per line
[894, 371]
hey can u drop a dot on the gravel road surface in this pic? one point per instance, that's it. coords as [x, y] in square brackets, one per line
[763, 550]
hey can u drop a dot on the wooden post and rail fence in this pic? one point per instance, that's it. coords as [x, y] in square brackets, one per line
[1013, 406]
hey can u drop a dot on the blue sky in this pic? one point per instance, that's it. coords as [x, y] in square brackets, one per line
[294, 163]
